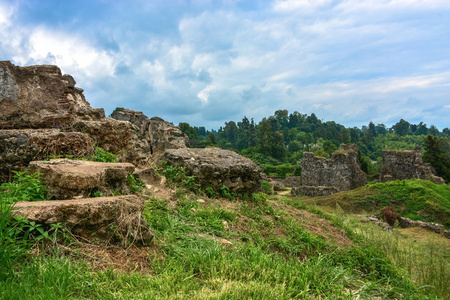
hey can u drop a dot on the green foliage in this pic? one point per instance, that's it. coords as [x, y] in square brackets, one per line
[420, 199]
[135, 184]
[178, 176]
[436, 155]
[101, 155]
[267, 187]
[24, 187]
[210, 192]
[188, 130]
[225, 192]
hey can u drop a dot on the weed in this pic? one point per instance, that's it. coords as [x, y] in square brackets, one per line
[24, 187]
[101, 155]
[225, 192]
[135, 184]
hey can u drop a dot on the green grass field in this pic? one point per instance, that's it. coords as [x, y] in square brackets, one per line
[256, 247]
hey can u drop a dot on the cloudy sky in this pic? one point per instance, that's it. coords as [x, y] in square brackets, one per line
[206, 62]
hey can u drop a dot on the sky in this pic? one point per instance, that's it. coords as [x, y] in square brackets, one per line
[208, 62]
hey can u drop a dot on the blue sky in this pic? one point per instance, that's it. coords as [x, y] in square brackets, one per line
[207, 62]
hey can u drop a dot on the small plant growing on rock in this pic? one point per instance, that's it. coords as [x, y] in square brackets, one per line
[135, 184]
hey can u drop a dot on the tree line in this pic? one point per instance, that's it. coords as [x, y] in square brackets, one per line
[277, 142]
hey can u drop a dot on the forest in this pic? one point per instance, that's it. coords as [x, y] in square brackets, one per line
[276, 143]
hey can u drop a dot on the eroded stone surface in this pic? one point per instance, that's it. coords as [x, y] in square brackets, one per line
[40, 97]
[66, 179]
[160, 134]
[217, 167]
[112, 218]
[20, 146]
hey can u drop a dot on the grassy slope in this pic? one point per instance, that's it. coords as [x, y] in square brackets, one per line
[254, 248]
[416, 199]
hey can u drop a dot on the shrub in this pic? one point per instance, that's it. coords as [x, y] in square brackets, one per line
[389, 215]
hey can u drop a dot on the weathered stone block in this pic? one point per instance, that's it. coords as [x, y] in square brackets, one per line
[20, 146]
[66, 179]
[117, 217]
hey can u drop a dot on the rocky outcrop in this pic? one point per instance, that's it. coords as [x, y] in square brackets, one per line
[160, 134]
[113, 218]
[341, 172]
[403, 165]
[40, 97]
[216, 167]
[66, 179]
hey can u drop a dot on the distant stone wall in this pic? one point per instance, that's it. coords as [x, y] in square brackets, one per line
[406, 164]
[342, 171]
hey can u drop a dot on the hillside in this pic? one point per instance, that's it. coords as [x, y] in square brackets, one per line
[415, 199]
[229, 247]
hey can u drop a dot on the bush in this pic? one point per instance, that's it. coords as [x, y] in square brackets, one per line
[389, 215]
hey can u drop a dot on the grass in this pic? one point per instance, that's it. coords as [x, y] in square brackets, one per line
[253, 247]
[416, 199]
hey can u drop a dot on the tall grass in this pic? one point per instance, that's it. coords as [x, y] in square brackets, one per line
[427, 263]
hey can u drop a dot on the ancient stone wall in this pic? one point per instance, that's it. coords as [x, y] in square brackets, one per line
[407, 164]
[341, 172]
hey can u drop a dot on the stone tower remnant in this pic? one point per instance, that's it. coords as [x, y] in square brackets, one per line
[321, 176]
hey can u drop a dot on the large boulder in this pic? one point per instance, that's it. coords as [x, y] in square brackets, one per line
[217, 167]
[20, 146]
[41, 97]
[113, 218]
[66, 179]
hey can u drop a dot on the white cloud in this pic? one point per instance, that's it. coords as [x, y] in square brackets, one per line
[69, 53]
[304, 5]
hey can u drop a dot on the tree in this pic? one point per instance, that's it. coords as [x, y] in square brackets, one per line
[252, 136]
[437, 156]
[278, 148]
[401, 127]
[265, 137]
[371, 130]
[231, 132]
[282, 117]
[212, 137]
[188, 130]
[421, 129]
[329, 147]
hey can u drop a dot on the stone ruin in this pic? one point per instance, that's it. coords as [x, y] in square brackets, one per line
[403, 165]
[321, 176]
